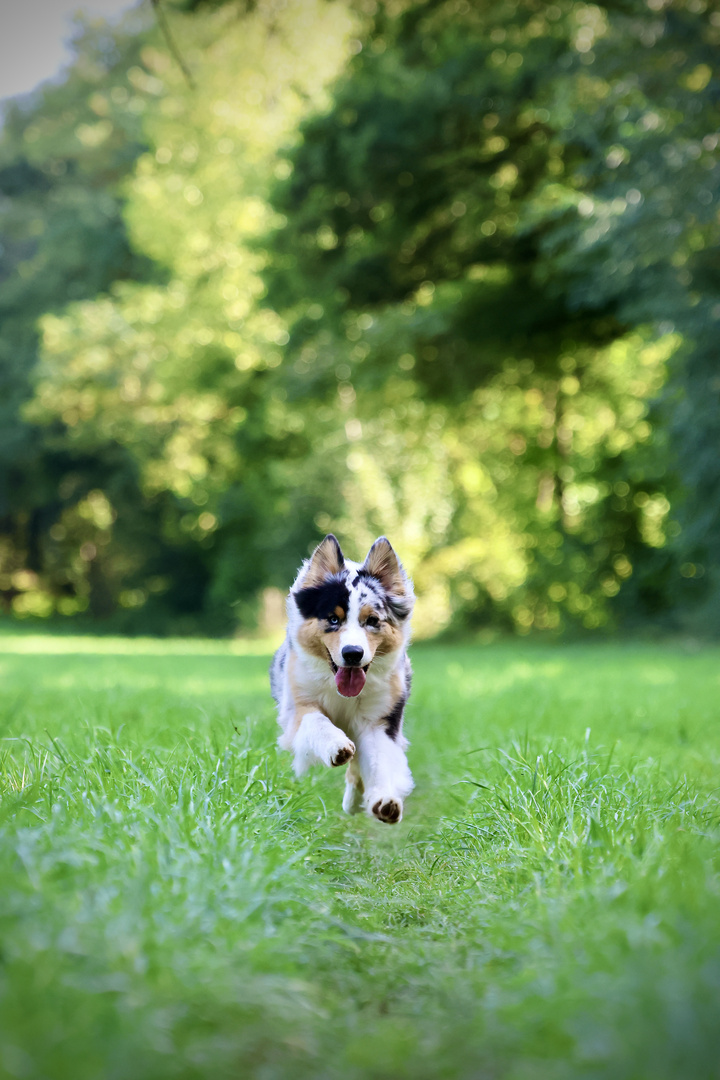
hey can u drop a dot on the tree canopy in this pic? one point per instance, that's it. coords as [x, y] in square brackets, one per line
[441, 270]
[520, 201]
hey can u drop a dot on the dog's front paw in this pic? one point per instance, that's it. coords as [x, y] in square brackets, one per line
[342, 754]
[387, 808]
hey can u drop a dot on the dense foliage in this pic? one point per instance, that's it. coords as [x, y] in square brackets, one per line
[436, 269]
[514, 206]
[62, 156]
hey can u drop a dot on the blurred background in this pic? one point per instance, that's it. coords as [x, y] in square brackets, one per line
[446, 270]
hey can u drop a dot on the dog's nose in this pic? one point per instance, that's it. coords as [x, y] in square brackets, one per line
[352, 654]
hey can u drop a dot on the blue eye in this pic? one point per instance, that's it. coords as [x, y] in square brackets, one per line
[333, 620]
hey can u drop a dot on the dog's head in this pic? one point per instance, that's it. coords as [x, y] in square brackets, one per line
[350, 614]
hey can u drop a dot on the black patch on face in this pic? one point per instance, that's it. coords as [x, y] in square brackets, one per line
[393, 720]
[320, 601]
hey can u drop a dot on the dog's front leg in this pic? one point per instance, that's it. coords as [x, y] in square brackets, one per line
[385, 773]
[318, 740]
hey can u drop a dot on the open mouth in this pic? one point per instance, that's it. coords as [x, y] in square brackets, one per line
[349, 680]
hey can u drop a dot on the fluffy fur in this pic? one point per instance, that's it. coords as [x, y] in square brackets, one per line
[341, 678]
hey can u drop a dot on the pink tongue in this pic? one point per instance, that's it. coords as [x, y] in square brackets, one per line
[350, 681]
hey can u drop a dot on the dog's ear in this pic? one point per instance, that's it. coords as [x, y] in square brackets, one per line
[382, 563]
[327, 559]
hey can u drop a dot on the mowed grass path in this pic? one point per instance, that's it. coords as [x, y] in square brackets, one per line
[173, 903]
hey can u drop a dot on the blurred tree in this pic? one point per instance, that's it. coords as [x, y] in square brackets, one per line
[500, 207]
[183, 375]
[63, 154]
[649, 246]
[489, 259]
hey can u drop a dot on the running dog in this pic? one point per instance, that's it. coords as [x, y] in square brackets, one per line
[341, 678]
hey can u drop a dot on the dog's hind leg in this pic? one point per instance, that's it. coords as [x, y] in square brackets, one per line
[318, 740]
[353, 797]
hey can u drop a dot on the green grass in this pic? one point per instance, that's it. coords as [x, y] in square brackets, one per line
[173, 903]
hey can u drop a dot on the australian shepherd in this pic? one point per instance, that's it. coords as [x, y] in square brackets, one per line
[341, 678]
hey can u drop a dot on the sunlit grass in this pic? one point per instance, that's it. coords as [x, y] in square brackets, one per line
[174, 903]
[33, 644]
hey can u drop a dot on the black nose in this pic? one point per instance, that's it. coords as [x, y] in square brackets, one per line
[352, 654]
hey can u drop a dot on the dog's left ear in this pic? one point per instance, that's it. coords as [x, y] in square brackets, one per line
[327, 559]
[382, 563]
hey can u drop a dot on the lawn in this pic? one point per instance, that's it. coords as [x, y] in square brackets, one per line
[173, 903]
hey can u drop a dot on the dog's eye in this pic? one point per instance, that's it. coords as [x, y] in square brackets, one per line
[333, 620]
[373, 622]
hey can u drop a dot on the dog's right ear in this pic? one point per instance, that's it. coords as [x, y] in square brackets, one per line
[327, 559]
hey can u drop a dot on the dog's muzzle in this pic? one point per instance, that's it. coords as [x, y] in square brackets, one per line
[349, 679]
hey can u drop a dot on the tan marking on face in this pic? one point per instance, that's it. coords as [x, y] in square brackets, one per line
[389, 639]
[312, 638]
[332, 646]
[340, 612]
[374, 637]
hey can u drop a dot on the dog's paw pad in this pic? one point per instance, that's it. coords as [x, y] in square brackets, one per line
[342, 755]
[387, 810]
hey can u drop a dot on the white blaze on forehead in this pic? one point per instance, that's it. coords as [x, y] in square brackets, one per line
[352, 632]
